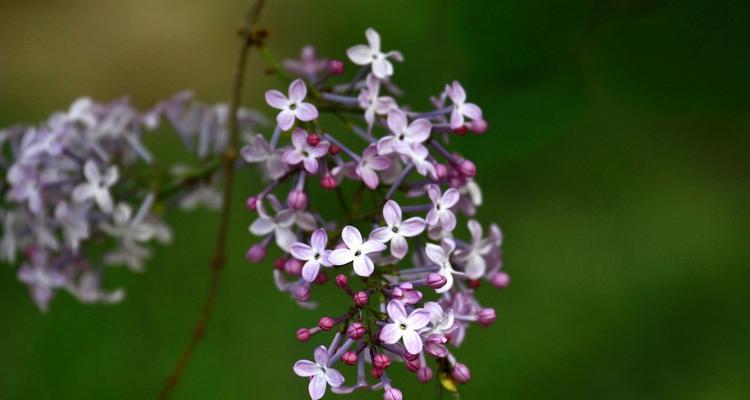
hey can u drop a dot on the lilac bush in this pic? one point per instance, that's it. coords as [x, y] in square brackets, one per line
[84, 193]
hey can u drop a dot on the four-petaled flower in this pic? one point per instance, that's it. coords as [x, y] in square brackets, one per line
[441, 255]
[474, 255]
[319, 372]
[440, 213]
[405, 326]
[356, 251]
[369, 164]
[404, 135]
[96, 186]
[291, 107]
[461, 108]
[303, 152]
[370, 100]
[365, 55]
[279, 225]
[315, 254]
[260, 151]
[396, 231]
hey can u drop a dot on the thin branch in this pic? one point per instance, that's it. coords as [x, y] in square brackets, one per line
[250, 37]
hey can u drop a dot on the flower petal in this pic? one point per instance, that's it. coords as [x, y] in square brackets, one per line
[450, 198]
[276, 99]
[392, 213]
[397, 121]
[297, 91]
[351, 237]
[472, 111]
[285, 119]
[435, 253]
[320, 355]
[390, 334]
[299, 139]
[341, 256]
[399, 246]
[382, 234]
[319, 239]
[311, 165]
[382, 68]
[372, 246]
[363, 266]
[306, 112]
[412, 227]
[396, 311]
[419, 130]
[301, 251]
[360, 54]
[457, 119]
[459, 95]
[373, 39]
[317, 387]
[334, 377]
[412, 342]
[305, 368]
[418, 319]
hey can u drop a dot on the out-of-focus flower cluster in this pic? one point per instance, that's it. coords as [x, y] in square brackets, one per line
[75, 202]
[408, 272]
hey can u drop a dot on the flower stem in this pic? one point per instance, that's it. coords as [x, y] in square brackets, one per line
[249, 38]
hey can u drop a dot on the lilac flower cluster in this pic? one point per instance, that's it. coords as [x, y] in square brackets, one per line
[76, 203]
[409, 278]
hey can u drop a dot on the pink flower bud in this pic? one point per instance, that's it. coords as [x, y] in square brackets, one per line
[297, 200]
[424, 374]
[326, 323]
[279, 263]
[293, 267]
[342, 281]
[303, 334]
[356, 331]
[486, 316]
[412, 365]
[501, 280]
[461, 130]
[435, 280]
[392, 393]
[256, 253]
[328, 182]
[313, 139]
[441, 171]
[349, 358]
[322, 278]
[335, 67]
[468, 168]
[409, 356]
[376, 373]
[461, 373]
[381, 361]
[334, 149]
[478, 126]
[474, 283]
[252, 203]
[360, 299]
[302, 293]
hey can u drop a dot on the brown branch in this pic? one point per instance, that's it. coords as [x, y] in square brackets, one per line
[250, 37]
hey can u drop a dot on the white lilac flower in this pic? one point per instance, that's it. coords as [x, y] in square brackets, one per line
[396, 231]
[303, 152]
[321, 375]
[473, 256]
[279, 225]
[371, 55]
[461, 108]
[405, 326]
[203, 195]
[308, 64]
[259, 151]
[356, 251]
[369, 164]
[42, 282]
[441, 255]
[73, 219]
[128, 228]
[441, 322]
[440, 213]
[26, 186]
[403, 135]
[370, 100]
[129, 254]
[96, 186]
[292, 107]
[89, 290]
[314, 254]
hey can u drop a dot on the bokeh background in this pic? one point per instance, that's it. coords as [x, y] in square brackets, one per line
[616, 163]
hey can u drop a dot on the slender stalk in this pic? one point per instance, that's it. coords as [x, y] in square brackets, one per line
[219, 257]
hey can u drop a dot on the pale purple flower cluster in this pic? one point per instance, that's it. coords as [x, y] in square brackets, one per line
[81, 187]
[409, 272]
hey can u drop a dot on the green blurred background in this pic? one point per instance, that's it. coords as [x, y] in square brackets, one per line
[616, 164]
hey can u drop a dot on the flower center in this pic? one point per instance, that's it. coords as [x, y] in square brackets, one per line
[293, 106]
[403, 327]
[357, 253]
[394, 229]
